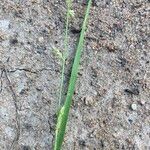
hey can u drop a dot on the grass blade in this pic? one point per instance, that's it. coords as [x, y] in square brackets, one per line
[64, 111]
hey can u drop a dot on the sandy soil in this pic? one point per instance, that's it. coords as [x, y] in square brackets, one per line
[111, 107]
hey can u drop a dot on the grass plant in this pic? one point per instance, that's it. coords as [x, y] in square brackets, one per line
[64, 109]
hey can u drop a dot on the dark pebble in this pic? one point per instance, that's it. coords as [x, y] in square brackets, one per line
[133, 91]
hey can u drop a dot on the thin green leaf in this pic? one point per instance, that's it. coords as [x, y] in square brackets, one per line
[64, 111]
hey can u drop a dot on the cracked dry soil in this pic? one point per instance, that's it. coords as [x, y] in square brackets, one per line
[111, 107]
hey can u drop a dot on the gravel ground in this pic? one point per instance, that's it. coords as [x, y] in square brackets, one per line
[111, 107]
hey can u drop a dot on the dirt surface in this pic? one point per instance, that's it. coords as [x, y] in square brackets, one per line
[111, 107]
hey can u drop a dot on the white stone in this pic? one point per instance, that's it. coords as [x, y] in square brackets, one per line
[134, 107]
[88, 100]
[41, 39]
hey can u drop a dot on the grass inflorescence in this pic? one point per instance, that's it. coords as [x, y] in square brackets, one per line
[69, 14]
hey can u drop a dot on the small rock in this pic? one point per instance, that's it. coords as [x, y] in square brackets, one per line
[134, 107]
[41, 39]
[75, 30]
[88, 100]
[142, 102]
[132, 91]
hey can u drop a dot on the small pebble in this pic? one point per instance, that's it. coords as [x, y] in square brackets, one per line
[88, 100]
[134, 107]
[41, 39]
[142, 102]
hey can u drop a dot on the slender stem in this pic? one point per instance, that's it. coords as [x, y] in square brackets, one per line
[64, 53]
